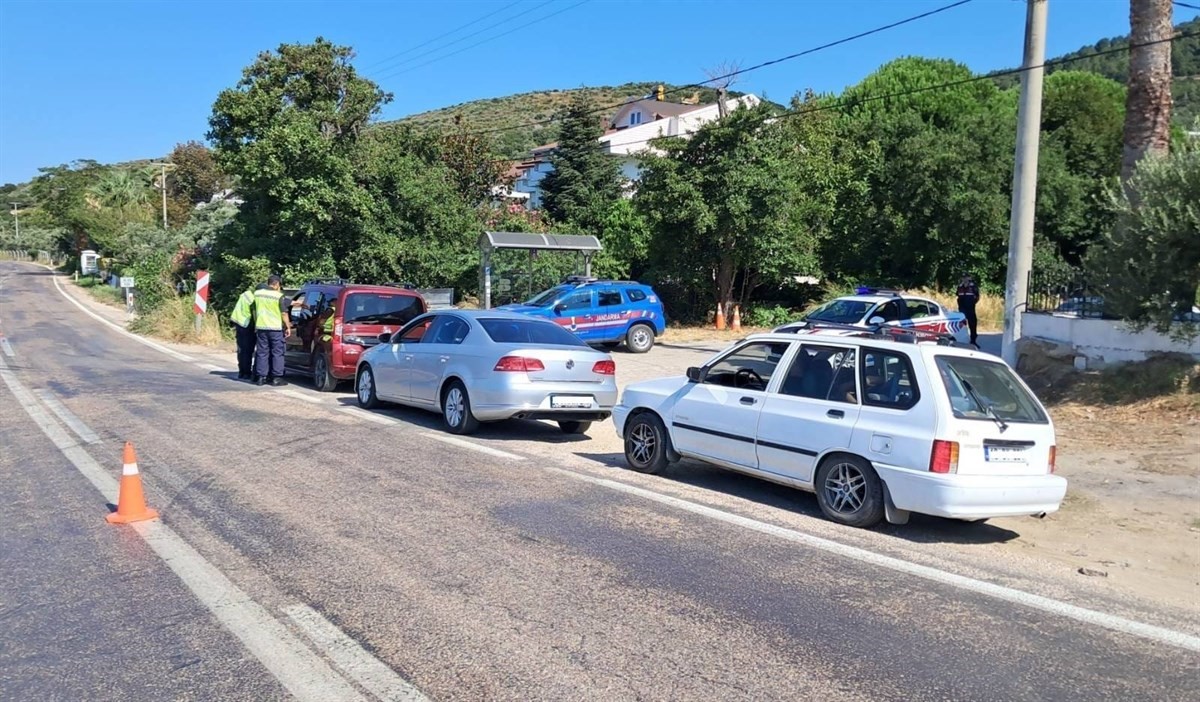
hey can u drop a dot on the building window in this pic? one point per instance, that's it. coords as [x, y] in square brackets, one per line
[635, 118]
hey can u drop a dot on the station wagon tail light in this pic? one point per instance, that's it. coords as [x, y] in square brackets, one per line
[519, 364]
[337, 331]
[944, 458]
[605, 368]
[1053, 456]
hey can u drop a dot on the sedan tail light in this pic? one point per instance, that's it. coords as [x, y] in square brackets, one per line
[519, 364]
[1053, 456]
[944, 458]
[605, 368]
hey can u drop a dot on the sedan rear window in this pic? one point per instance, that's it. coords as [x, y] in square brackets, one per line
[981, 389]
[532, 331]
[381, 308]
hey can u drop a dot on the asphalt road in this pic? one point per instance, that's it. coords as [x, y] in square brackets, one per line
[472, 575]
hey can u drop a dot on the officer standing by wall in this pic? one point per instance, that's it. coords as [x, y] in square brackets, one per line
[968, 295]
[272, 324]
[243, 323]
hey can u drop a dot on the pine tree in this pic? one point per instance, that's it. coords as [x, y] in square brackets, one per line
[585, 181]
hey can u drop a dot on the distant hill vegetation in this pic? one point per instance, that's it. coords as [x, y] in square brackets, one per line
[1185, 67]
[523, 108]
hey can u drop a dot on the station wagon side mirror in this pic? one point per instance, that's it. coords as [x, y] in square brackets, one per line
[558, 309]
[876, 320]
[385, 338]
[696, 375]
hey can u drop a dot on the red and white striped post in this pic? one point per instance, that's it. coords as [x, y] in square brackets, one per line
[200, 305]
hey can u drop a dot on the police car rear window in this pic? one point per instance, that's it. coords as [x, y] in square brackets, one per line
[635, 295]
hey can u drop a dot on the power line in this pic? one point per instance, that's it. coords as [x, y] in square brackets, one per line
[457, 29]
[1184, 4]
[741, 71]
[401, 68]
[855, 102]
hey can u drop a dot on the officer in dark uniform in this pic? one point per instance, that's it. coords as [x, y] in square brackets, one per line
[968, 295]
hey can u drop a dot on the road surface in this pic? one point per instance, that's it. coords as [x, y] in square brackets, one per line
[308, 549]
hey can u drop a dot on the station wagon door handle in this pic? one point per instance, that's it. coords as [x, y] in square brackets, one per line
[836, 414]
[748, 400]
[445, 358]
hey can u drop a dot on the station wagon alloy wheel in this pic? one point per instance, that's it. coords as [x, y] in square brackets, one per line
[646, 444]
[643, 443]
[845, 488]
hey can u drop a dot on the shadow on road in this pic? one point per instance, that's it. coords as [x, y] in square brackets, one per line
[509, 430]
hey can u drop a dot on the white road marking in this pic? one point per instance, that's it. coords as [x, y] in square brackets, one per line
[67, 417]
[1000, 592]
[472, 446]
[301, 396]
[297, 668]
[7, 348]
[370, 416]
[211, 367]
[367, 670]
[118, 327]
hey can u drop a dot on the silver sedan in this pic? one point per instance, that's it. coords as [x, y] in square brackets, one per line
[477, 366]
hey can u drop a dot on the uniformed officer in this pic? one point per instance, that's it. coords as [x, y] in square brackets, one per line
[968, 295]
[243, 321]
[272, 324]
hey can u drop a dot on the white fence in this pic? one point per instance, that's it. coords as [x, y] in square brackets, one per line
[1103, 342]
[35, 257]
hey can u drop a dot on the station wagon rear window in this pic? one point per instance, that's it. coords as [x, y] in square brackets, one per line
[381, 308]
[520, 331]
[981, 389]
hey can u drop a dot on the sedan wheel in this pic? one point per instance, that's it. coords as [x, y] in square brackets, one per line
[646, 444]
[849, 492]
[456, 410]
[365, 389]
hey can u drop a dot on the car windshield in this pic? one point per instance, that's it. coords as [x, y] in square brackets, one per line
[381, 308]
[531, 331]
[547, 297]
[985, 390]
[839, 312]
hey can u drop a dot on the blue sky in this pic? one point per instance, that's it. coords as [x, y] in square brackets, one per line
[116, 81]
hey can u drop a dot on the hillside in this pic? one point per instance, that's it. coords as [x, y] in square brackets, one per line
[522, 108]
[1185, 66]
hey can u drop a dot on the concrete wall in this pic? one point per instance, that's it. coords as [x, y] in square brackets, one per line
[1103, 342]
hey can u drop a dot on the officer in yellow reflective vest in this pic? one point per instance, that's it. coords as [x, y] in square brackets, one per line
[243, 324]
[271, 325]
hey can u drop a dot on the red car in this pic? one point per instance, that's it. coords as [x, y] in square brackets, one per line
[334, 321]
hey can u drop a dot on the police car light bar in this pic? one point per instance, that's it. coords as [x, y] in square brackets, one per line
[866, 290]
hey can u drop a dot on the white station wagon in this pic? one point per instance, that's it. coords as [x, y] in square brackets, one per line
[876, 427]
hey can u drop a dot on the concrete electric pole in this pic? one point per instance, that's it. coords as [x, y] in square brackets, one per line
[1024, 196]
[17, 222]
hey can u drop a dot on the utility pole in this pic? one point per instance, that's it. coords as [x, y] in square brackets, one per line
[17, 220]
[163, 183]
[1025, 169]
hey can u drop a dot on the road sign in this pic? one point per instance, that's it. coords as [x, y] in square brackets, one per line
[127, 281]
[201, 302]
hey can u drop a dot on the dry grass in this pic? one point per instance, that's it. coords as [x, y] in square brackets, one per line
[175, 321]
[989, 309]
[113, 297]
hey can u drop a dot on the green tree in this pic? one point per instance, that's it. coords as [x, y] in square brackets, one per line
[63, 194]
[722, 207]
[585, 181]
[1150, 267]
[287, 132]
[474, 168]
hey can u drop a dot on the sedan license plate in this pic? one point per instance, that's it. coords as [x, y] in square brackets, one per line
[997, 454]
[572, 401]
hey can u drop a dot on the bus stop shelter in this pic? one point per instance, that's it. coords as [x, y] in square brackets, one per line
[489, 242]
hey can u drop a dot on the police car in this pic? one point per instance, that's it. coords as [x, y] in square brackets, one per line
[601, 312]
[873, 308]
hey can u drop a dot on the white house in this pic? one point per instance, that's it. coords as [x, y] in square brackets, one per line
[630, 132]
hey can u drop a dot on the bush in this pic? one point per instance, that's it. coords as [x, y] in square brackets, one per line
[174, 320]
[154, 286]
[769, 316]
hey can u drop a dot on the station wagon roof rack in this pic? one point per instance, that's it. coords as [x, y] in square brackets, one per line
[884, 332]
[406, 286]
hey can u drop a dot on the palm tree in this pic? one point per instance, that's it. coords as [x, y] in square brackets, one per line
[122, 189]
[1148, 103]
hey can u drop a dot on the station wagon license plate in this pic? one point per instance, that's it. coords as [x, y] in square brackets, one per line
[1003, 454]
[572, 401]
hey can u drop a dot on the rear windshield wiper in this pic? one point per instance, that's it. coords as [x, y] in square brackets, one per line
[987, 407]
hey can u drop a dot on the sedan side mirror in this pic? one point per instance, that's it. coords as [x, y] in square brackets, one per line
[558, 309]
[876, 320]
[385, 338]
[696, 375]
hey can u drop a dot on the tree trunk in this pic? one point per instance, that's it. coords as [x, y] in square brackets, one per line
[1148, 103]
[725, 285]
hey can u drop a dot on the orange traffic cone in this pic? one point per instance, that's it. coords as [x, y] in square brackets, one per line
[131, 503]
[737, 318]
[720, 318]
